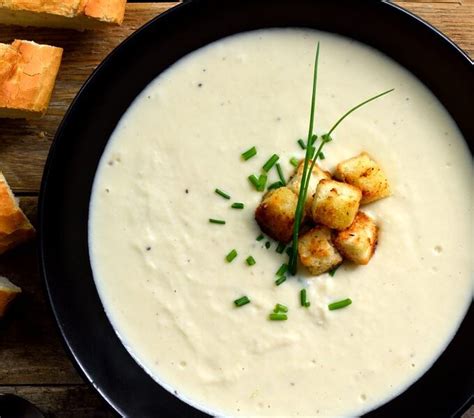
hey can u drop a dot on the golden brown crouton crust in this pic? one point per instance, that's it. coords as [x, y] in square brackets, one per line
[15, 227]
[335, 204]
[276, 214]
[357, 243]
[316, 250]
[363, 172]
[8, 292]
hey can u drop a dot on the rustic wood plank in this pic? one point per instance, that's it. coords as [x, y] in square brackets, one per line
[72, 401]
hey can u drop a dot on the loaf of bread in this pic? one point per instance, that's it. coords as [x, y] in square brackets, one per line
[8, 292]
[27, 76]
[15, 227]
[73, 14]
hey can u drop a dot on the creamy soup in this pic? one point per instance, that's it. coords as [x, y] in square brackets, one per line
[160, 267]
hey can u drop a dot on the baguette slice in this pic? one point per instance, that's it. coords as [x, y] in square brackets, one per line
[8, 292]
[15, 227]
[72, 14]
[27, 76]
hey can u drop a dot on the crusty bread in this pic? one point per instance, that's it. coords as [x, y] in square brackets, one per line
[73, 14]
[8, 292]
[27, 76]
[15, 227]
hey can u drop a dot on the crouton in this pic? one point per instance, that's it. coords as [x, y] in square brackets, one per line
[363, 172]
[8, 292]
[357, 243]
[335, 204]
[317, 251]
[276, 214]
[317, 174]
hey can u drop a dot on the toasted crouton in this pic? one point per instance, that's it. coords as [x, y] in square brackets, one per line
[317, 251]
[363, 172]
[335, 204]
[357, 243]
[8, 292]
[317, 174]
[276, 214]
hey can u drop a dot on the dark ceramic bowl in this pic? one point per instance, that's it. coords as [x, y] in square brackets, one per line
[64, 203]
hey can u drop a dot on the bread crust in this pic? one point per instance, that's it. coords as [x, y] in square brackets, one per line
[27, 77]
[8, 292]
[15, 227]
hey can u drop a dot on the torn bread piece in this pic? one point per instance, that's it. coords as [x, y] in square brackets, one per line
[72, 14]
[316, 250]
[15, 227]
[317, 174]
[27, 76]
[357, 243]
[276, 214]
[335, 204]
[364, 173]
[8, 292]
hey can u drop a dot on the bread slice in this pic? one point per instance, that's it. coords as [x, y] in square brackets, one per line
[8, 292]
[15, 227]
[72, 14]
[27, 76]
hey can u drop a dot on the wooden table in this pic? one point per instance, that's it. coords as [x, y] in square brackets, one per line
[33, 363]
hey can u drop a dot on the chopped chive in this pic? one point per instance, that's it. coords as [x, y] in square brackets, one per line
[289, 250]
[237, 205]
[301, 144]
[262, 181]
[294, 161]
[252, 152]
[322, 156]
[216, 221]
[260, 237]
[281, 247]
[268, 244]
[250, 260]
[332, 272]
[275, 185]
[270, 163]
[277, 317]
[304, 298]
[254, 180]
[311, 151]
[229, 257]
[221, 193]
[241, 301]
[280, 308]
[280, 280]
[339, 304]
[282, 270]
[313, 139]
[280, 174]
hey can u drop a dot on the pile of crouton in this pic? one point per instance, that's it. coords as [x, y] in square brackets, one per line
[333, 228]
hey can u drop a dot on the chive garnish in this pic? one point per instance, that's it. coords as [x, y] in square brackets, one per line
[322, 156]
[260, 237]
[301, 144]
[304, 299]
[289, 251]
[270, 163]
[280, 308]
[275, 185]
[282, 270]
[280, 248]
[216, 221]
[339, 304]
[277, 317]
[241, 301]
[280, 174]
[237, 205]
[294, 161]
[262, 181]
[229, 257]
[250, 260]
[280, 280]
[254, 180]
[332, 272]
[252, 152]
[221, 193]
[268, 244]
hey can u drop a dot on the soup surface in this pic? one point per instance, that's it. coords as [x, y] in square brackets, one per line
[160, 267]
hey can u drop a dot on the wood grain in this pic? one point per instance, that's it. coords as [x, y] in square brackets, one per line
[33, 362]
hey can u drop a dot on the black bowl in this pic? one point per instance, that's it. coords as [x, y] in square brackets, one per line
[64, 203]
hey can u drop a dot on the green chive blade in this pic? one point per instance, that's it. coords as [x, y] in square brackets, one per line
[275, 185]
[250, 260]
[221, 193]
[262, 181]
[280, 308]
[280, 174]
[280, 280]
[277, 316]
[280, 248]
[247, 155]
[282, 270]
[270, 163]
[260, 237]
[217, 221]
[241, 301]
[294, 161]
[230, 257]
[253, 180]
[301, 144]
[339, 304]
[268, 244]
[237, 205]
[332, 272]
